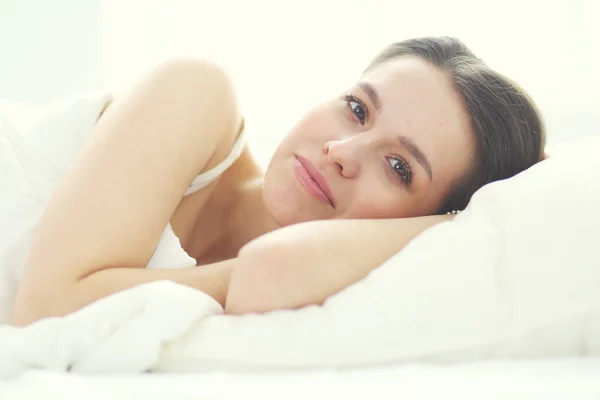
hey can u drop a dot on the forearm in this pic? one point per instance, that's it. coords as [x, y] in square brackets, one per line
[211, 279]
[306, 263]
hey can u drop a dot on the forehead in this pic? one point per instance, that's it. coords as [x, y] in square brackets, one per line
[418, 88]
[419, 101]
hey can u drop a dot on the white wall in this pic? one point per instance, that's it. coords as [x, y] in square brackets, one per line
[285, 55]
[49, 49]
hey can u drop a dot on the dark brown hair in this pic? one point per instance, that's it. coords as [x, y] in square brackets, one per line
[508, 128]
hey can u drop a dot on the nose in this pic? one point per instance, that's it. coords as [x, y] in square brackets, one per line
[344, 155]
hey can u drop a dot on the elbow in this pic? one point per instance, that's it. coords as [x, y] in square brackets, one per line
[33, 305]
[27, 311]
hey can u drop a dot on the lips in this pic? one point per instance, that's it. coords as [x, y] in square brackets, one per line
[313, 180]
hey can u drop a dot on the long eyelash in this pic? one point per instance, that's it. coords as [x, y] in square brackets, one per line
[348, 98]
[405, 180]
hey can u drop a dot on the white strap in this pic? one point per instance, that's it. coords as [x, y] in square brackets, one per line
[206, 178]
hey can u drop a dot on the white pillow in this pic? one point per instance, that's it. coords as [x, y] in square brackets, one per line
[517, 274]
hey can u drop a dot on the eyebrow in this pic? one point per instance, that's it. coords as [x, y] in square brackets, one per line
[416, 153]
[372, 93]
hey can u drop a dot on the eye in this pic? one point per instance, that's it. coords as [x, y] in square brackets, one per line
[401, 168]
[358, 108]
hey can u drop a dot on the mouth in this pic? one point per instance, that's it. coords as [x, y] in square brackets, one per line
[313, 180]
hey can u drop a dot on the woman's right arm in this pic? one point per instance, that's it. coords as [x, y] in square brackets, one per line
[112, 206]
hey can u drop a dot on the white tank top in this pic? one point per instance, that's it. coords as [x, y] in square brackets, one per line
[205, 178]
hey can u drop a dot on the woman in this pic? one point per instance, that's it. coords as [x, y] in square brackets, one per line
[426, 126]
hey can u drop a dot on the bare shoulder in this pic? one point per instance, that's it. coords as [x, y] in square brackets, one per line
[203, 89]
[204, 79]
[200, 73]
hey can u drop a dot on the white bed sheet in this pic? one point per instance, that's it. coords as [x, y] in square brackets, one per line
[515, 380]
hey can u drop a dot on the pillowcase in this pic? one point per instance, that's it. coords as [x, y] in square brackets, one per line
[517, 274]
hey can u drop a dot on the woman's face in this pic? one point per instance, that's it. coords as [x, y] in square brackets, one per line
[392, 146]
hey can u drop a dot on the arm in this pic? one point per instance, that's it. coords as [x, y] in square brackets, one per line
[112, 206]
[212, 279]
[306, 263]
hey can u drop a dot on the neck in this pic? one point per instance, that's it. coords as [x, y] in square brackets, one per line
[248, 216]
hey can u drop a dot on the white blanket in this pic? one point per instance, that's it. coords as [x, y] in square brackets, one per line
[124, 332]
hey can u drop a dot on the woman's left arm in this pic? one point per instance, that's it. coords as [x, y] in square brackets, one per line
[304, 264]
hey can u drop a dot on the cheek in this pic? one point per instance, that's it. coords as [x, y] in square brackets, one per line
[377, 202]
[373, 199]
[402, 205]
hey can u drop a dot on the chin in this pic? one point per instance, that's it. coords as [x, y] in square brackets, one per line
[286, 205]
[285, 199]
[283, 212]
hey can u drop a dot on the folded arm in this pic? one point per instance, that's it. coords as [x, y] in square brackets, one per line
[304, 264]
[111, 208]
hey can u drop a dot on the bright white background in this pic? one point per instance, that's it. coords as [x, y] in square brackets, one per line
[49, 49]
[286, 55]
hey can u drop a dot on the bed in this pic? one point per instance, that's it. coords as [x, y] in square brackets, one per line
[528, 379]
